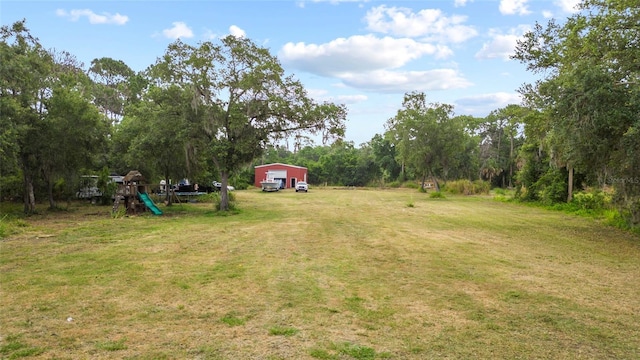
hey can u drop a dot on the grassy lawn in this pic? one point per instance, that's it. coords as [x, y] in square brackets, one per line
[329, 274]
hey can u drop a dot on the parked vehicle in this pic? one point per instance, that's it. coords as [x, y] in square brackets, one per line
[302, 186]
[218, 186]
[270, 185]
[89, 186]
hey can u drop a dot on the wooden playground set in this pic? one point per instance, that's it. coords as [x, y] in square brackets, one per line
[133, 194]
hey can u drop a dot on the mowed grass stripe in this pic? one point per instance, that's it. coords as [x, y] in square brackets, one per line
[331, 273]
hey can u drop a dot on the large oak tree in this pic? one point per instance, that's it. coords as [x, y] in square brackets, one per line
[426, 137]
[247, 100]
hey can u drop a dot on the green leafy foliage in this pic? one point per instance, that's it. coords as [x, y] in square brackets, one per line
[596, 200]
[467, 187]
[437, 195]
[215, 198]
[245, 100]
[551, 187]
[210, 111]
[425, 136]
[588, 99]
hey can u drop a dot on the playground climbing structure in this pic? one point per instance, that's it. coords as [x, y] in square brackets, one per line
[133, 194]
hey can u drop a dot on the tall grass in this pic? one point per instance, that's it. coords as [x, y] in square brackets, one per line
[467, 187]
[10, 225]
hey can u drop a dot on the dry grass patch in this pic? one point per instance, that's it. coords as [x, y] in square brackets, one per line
[329, 274]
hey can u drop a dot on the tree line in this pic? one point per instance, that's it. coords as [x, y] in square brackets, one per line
[215, 110]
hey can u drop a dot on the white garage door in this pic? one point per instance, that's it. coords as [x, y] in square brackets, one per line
[277, 174]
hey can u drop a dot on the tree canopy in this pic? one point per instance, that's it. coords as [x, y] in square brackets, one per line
[246, 98]
[426, 136]
[590, 94]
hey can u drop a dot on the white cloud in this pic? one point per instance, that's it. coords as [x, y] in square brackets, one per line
[210, 35]
[236, 31]
[385, 81]
[318, 94]
[547, 14]
[104, 18]
[179, 30]
[349, 99]
[323, 95]
[501, 46]
[461, 3]
[568, 6]
[483, 104]
[373, 63]
[430, 23]
[359, 53]
[512, 7]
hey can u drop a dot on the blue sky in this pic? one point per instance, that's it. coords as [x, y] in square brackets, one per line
[364, 54]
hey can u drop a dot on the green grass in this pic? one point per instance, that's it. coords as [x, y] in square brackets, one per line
[112, 345]
[283, 331]
[13, 348]
[437, 195]
[335, 274]
[232, 319]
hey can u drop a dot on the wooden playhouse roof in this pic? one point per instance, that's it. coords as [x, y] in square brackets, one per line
[133, 175]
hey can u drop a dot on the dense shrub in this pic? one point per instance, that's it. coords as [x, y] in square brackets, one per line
[481, 187]
[4, 228]
[591, 200]
[242, 185]
[467, 187]
[11, 187]
[550, 188]
[437, 195]
[215, 198]
[411, 185]
[10, 226]
[394, 184]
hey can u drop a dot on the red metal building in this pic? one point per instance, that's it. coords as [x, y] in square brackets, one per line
[288, 175]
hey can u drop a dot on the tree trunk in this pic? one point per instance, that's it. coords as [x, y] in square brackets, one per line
[29, 196]
[603, 177]
[570, 184]
[511, 160]
[48, 179]
[435, 181]
[52, 201]
[224, 195]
